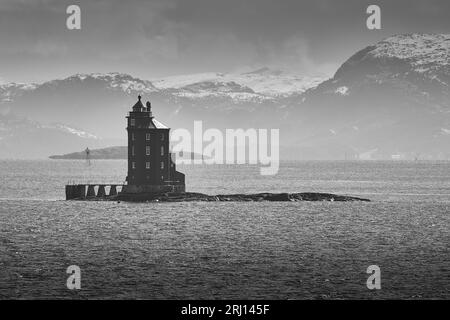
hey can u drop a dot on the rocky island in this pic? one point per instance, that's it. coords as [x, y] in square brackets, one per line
[78, 192]
[193, 196]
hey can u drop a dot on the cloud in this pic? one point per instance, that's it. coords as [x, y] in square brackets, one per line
[165, 37]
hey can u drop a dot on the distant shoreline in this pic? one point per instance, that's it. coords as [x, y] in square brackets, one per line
[109, 153]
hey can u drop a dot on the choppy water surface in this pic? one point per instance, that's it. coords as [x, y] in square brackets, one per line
[229, 250]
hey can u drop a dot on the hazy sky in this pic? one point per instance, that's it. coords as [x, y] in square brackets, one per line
[157, 38]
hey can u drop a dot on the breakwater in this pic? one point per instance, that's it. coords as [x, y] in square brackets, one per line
[89, 191]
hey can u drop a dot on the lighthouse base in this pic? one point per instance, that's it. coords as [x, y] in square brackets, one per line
[153, 189]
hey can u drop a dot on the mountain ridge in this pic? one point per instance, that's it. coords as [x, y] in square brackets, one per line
[392, 96]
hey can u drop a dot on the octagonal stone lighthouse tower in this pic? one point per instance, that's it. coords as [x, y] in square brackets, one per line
[151, 166]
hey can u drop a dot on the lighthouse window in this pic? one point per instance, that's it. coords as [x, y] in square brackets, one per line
[132, 136]
[133, 165]
[132, 150]
[147, 150]
[132, 122]
[162, 151]
[147, 165]
[162, 165]
[147, 136]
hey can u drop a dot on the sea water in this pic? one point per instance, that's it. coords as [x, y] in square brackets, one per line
[228, 250]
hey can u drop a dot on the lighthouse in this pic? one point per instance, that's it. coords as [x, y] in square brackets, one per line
[151, 166]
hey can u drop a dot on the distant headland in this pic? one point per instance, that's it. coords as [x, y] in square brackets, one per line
[117, 152]
[109, 153]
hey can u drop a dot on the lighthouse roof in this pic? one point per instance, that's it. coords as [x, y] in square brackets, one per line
[138, 106]
[140, 111]
[157, 124]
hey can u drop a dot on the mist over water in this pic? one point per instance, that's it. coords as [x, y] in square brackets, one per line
[285, 250]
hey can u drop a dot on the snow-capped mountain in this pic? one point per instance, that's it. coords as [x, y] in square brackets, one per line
[87, 100]
[10, 91]
[261, 84]
[23, 138]
[110, 81]
[256, 86]
[426, 53]
[391, 98]
[79, 101]
[113, 80]
[417, 63]
[217, 89]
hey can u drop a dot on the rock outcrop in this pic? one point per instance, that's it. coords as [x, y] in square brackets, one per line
[192, 196]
